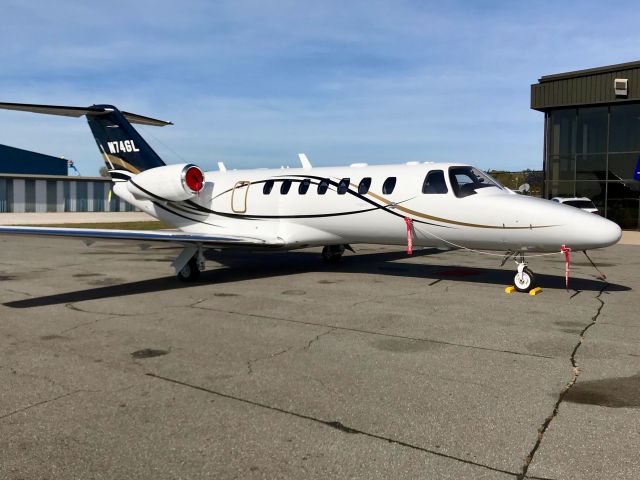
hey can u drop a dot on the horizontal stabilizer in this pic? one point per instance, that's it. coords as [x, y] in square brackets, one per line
[80, 111]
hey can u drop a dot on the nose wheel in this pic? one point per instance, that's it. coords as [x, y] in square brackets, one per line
[524, 280]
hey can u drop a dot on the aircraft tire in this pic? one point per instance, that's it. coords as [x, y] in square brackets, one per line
[526, 283]
[332, 253]
[190, 272]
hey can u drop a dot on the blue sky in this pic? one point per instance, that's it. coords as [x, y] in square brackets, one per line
[254, 83]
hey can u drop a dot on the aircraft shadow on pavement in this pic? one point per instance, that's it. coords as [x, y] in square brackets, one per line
[242, 266]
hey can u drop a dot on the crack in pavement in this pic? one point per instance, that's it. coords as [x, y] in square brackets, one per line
[59, 397]
[338, 426]
[19, 292]
[75, 308]
[377, 299]
[33, 405]
[368, 332]
[80, 325]
[575, 370]
[250, 363]
[267, 357]
[318, 337]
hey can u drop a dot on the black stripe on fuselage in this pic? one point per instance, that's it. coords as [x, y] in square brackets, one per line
[375, 205]
[201, 210]
[195, 220]
[166, 207]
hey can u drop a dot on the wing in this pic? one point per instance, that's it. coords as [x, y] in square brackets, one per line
[145, 236]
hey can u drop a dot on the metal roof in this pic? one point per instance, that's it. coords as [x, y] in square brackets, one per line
[619, 67]
[18, 161]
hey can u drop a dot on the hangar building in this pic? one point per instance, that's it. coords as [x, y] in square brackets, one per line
[18, 161]
[33, 182]
[592, 137]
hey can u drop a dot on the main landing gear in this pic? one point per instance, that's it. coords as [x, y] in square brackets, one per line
[524, 279]
[190, 272]
[189, 263]
[333, 253]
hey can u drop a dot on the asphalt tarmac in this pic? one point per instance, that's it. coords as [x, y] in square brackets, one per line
[276, 365]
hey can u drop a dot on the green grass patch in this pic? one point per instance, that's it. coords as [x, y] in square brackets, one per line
[152, 225]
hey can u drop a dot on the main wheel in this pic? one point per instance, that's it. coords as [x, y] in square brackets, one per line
[190, 272]
[524, 282]
[332, 253]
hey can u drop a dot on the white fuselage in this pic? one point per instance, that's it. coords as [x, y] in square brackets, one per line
[493, 218]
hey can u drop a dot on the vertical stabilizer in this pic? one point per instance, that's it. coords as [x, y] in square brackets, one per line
[122, 147]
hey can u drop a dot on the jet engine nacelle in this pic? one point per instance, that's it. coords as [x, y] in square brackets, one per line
[174, 183]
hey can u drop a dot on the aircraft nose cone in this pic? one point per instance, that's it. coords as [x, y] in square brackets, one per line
[599, 231]
[610, 232]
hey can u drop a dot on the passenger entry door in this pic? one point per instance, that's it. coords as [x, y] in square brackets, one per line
[239, 196]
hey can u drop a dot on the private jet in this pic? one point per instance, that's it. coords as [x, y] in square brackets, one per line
[444, 205]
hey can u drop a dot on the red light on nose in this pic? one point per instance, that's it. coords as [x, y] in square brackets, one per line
[194, 179]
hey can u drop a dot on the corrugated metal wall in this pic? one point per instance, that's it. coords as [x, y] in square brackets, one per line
[3, 195]
[51, 195]
[30, 195]
[583, 89]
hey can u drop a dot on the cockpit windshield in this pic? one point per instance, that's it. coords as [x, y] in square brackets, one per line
[466, 180]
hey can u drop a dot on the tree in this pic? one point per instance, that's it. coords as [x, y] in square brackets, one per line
[104, 172]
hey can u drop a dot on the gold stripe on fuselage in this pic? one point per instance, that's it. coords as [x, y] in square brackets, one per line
[446, 220]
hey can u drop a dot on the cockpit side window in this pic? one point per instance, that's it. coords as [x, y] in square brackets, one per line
[434, 182]
[466, 181]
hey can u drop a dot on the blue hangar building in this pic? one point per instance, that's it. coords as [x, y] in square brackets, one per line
[23, 162]
[33, 182]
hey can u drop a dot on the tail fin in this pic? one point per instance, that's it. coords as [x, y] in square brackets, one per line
[122, 147]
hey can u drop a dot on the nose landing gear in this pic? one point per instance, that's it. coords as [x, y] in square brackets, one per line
[524, 279]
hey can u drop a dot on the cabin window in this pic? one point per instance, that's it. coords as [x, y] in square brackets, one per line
[285, 187]
[388, 185]
[268, 186]
[343, 186]
[323, 186]
[364, 185]
[434, 182]
[304, 186]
